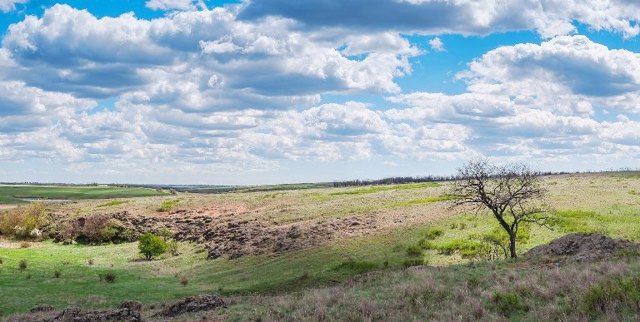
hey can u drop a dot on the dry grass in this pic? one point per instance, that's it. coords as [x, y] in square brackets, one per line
[485, 292]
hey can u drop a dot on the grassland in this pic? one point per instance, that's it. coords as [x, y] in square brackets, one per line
[18, 194]
[280, 284]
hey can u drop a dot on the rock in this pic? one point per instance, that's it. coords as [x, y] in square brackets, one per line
[194, 304]
[131, 305]
[213, 253]
[129, 311]
[42, 308]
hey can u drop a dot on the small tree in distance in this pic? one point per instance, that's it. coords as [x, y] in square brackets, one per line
[513, 193]
[151, 246]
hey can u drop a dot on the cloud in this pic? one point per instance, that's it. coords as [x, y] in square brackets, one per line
[205, 59]
[204, 92]
[10, 5]
[436, 44]
[539, 101]
[548, 17]
[170, 4]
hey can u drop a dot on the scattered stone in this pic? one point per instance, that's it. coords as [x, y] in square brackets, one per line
[194, 304]
[42, 308]
[129, 311]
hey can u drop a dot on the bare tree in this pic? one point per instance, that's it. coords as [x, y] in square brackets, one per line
[513, 193]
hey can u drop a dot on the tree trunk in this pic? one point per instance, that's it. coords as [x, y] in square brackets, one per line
[512, 244]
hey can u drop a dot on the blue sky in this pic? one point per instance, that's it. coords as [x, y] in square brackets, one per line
[273, 91]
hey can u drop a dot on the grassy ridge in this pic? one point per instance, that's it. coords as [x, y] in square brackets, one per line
[13, 194]
[376, 189]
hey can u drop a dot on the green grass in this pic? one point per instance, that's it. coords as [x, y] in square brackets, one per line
[112, 203]
[423, 201]
[375, 189]
[168, 204]
[14, 194]
[151, 282]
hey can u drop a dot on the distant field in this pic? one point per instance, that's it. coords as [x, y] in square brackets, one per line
[16, 194]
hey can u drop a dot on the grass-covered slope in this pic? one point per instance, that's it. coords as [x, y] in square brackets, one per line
[16, 194]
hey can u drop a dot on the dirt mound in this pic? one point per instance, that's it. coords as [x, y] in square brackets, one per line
[128, 311]
[581, 248]
[194, 304]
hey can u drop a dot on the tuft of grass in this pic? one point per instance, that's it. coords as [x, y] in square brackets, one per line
[414, 251]
[109, 277]
[168, 205]
[414, 262]
[507, 303]
[23, 264]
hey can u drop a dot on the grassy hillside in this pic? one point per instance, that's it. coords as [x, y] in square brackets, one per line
[282, 284]
[14, 194]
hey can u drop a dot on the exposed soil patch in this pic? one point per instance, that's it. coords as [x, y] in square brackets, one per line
[232, 237]
[582, 248]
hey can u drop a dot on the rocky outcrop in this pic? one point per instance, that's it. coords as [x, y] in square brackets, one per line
[193, 304]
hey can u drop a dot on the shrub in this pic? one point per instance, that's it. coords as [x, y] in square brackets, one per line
[108, 277]
[22, 265]
[172, 247]
[22, 221]
[168, 205]
[99, 229]
[413, 262]
[151, 246]
[508, 303]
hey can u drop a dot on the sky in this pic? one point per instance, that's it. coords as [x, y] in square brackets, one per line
[280, 91]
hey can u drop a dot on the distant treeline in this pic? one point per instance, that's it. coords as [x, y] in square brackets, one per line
[392, 180]
[432, 178]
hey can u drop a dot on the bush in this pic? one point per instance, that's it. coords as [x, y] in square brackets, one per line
[168, 205]
[151, 246]
[22, 265]
[109, 277]
[21, 222]
[99, 229]
[172, 247]
[508, 303]
[413, 262]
